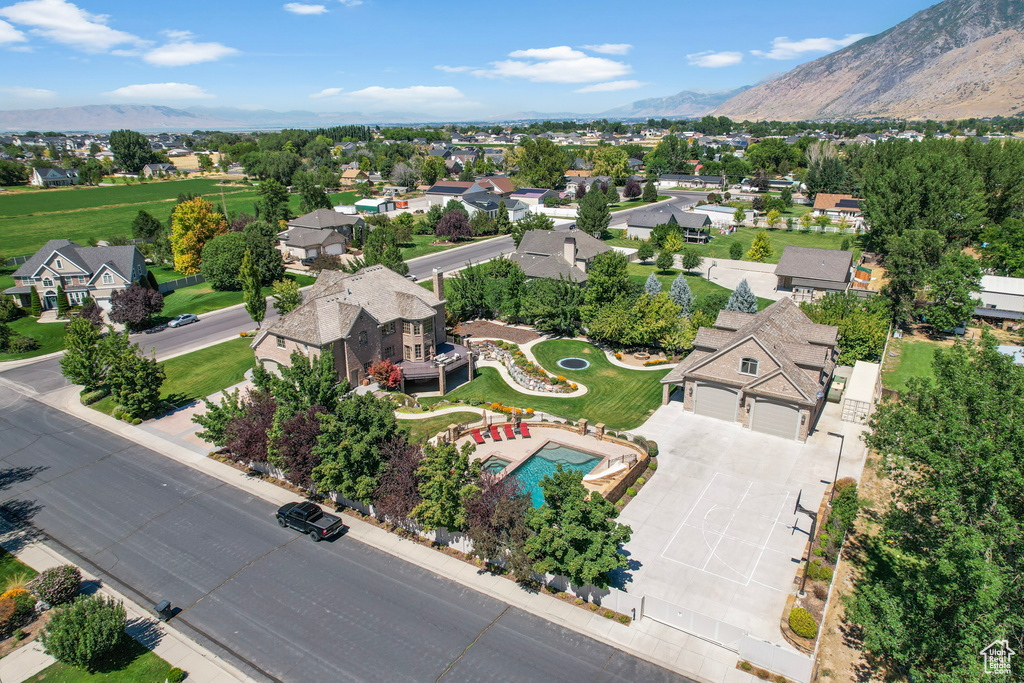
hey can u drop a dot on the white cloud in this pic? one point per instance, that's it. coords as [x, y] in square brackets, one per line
[326, 92]
[431, 98]
[27, 93]
[610, 48]
[611, 86]
[784, 48]
[182, 51]
[351, 3]
[714, 60]
[159, 92]
[9, 34]
[66, 23]
[303, 8]
[560, 64]
[453, 69]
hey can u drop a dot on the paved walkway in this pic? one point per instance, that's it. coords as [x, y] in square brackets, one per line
[664, 646]
[729, 273]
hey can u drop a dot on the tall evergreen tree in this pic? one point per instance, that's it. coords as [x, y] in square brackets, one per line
[653, 286]
[62, 302]
[681, 295]
[252, 292]
[35, 305]
[650, 192]
[504, 224]
[82, 362]
[593, 215]
[742, 299]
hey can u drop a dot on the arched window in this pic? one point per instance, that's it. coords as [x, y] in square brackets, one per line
[47, 282]
[108, 279]
[748, 366]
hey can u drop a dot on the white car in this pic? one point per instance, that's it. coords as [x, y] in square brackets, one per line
[183, 319]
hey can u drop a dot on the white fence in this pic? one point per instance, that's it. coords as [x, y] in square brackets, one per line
[172, 285]
[793, 665]
[551, 211]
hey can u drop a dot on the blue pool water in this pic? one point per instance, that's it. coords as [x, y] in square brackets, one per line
[545, 462]
[494, 464]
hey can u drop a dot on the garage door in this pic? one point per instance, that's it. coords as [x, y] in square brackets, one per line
[714, 401]
[777, 419]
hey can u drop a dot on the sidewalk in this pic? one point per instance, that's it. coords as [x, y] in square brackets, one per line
[664, 646]
[164, 640]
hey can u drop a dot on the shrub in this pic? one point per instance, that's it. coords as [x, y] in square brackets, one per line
[746, 666]
[608, 614]
[593, 607]
[618, 355]
[802, 623]
[7, 610]
[90, 397]
[641, 481]
[578, 601]
[826, 574]
[843, 483]
[762, 674]
[57, 585]
[15, 611]
[18, 635]
[13, 593]
[779, 678]
[175, 675]
[82, 633]
[631, 492]
[623, 619]
[652, 450]
[23, 344]
[820, 591]
[16, 581]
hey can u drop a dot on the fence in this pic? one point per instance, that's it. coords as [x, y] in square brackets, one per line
[17, 260]
[551, 211]
[172, 285]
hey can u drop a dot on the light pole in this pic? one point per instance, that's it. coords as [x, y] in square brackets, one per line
[814, 527]
[713, 264]
[842, 442]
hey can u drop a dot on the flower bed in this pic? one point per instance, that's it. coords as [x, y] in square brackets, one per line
[526, 373]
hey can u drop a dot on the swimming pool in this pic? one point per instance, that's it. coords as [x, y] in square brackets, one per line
[494, 464]
[546, 461]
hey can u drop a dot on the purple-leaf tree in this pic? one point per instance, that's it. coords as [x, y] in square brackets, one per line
[496, 517]
[246, 435]
[398, 490]
[455, 226]
[295, 443]
[133, 306]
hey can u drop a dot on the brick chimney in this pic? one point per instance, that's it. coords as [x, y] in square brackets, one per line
[569, 250]
[438, 279]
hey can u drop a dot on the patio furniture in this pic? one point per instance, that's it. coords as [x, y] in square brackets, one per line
[509, 434]
[494, 433]
[524, 430]
[477, 437]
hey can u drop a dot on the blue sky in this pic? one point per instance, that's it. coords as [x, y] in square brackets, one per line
[457, 60]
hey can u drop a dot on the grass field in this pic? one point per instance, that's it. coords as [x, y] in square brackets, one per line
[203, 298]
[620, 398]
[421, 246]
[81, 197]
[130, 663]
[421, 430]
[698, 286]
[206, 371]
[633, 203]
[11, 568]
[915, 360]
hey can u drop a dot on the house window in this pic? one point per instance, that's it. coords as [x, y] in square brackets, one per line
[428, 326]
[366, 368]
[748, 366]
[416, 328]
[108, 279]
[280, 342]
[389, 328]
[389, 351]
[408, 353]
[59, 264]
[47, 282]
[419, 351]
[407, 327]
[362, 338]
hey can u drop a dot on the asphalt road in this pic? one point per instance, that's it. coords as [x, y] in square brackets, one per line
[272, 601]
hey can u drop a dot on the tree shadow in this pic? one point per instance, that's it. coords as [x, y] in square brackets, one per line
[18, 474]
[145, 630]
[16, 523]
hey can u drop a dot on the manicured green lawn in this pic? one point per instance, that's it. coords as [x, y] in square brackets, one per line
[49, 335]
[421, 430]
[206, 371]
[130, 663]
[620, 398]
[420, 245]
[11, 568]
[7, 276]
[164, 274]
[915, 360]
[632, 204]
[699, 286]
[344, 198]
[203, 298]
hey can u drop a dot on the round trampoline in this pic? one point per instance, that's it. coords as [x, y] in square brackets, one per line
[574, 364]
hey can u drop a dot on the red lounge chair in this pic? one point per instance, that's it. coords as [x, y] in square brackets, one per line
[509, 434]
[477, 437]
[524, 430]
[494, 433]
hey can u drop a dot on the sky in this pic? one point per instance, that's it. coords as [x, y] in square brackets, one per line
[459, 60]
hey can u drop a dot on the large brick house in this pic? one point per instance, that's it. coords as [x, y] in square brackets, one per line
[363, 318]
[768, 371]
[95, 272]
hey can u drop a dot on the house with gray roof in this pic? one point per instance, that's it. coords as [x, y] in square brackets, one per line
[363, 318]
[300, 243]
[150, 170]
[693, 227]
[555, 255]
[345, 224]
[53, 177]
[768, 371]
[808, 273]
[95, 272]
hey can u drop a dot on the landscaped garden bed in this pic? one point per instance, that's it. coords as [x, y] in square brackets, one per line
[521, 369]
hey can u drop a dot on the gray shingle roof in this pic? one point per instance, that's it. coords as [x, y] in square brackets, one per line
[551, 242]
[312, 237]
[552, 267]
[325, 218]
[659, 215]
[815, 264]
[122, 259]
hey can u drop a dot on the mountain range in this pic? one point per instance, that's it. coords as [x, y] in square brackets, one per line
[957, 59]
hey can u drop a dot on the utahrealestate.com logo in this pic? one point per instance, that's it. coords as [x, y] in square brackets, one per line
[997, 656]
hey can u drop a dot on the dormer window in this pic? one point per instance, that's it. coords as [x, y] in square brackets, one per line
[748, 366]
[108, 279]
[59, 264]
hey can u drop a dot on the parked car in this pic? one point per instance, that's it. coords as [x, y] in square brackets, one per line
[183, 319]
[410, 276]
[308, 261]
[309, 519]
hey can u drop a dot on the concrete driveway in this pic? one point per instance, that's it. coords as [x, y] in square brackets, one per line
[729, 273]
[714, 529]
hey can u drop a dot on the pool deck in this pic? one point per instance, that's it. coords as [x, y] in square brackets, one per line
[519, 449]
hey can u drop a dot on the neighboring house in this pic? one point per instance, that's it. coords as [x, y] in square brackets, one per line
[490, 203]
[533, 196]
[667, 180]
[53, 177]
[352, 176]
[445, 190]
[1016, 353]
[82, 272]
[499, 185]
[376, 205]
[303, 243]
[723, 216]
[150, 170]
[838, 206]
[363, 318]
[554, 255]
[693, 227]
[572, 185]
[768, 371]
[325, 219]
[1002, 298]
[808, 273]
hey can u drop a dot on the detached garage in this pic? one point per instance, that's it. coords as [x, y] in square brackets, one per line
[777, 419]
[716, 401]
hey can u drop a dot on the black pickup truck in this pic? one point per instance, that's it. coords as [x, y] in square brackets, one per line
[309, 519]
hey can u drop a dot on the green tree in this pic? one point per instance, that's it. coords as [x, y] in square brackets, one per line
[742, 299]
[272, 201]
[287, 296]
[311, 195]
[134, 380]
[504, 224]
[145, 226]
[738, 216]
[863, 324]
[692, 260]
[533, 221]
[35, 305]
[541, 163]
[773, 218]
[645, 252]
[650, 192]
[446, 479]
[911, 257]
[665, 261]
[607, 279]
[673, 242]
[62, 302]
[951, 289]
[554, 306]
[652, 286]
[575, 532]
[252, 291]
[82, 362]
[735, 250]
[593, 216]
[761, 248]
[682, 296]
[942, 576]
[131, 150]
[85, 631]
[433, 170]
